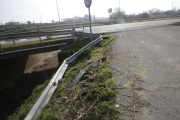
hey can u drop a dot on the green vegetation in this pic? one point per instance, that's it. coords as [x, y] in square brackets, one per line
[10, 29]
[177, 23]
[152, 19]
[93, 98]
[80, 43]
[22, 112]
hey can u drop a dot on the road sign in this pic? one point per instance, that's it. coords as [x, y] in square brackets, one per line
[110, 10]
[87, 3]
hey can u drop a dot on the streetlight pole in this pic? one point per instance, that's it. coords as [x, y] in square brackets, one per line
[58, 10]
[173, 7]
[119, 5]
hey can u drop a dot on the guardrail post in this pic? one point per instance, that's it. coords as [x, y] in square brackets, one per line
[73, 30]
[83, 26]
[1, 48]
[13, 39]
[39, 35]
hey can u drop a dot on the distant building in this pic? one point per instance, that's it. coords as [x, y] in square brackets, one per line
[12, 23]
[75, 19]
[101, 18]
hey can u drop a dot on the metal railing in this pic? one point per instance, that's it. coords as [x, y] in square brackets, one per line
[53, 29]
[29, 49]
[27, 28]
[20, 35]
[51, 87]
[12, 36]
[31, 31]
[47, 26]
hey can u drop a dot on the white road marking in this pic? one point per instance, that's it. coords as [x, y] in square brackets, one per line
[2, 42]
[22, 39]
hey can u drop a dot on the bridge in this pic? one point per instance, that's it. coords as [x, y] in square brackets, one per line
[96, 29]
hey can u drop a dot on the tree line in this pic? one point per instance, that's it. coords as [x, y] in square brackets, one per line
[119, 14]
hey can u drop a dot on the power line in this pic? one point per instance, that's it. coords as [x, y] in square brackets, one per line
[24, 7]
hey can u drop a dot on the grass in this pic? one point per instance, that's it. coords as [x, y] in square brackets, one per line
[97, 100]
[177, 23]
[92, 102]
[10, 29]
[22, 112]
[80, 43]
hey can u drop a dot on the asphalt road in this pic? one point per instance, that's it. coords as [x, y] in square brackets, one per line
[149, 61]
[128, 26]
[106, 29]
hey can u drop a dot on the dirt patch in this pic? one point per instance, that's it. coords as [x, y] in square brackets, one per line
[50, 62]
[132, 104]
[40, 60]
[117, 56]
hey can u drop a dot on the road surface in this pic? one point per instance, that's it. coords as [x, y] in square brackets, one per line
[128, 26]
[147, 63]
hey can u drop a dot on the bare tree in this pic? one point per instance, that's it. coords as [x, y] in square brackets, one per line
[117, 14]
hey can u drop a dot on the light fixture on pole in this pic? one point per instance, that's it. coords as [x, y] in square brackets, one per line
[88, 4]
[58, 10]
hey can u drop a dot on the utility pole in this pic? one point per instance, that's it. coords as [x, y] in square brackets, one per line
[119, 5]
[58, 11]
[90, 23]
[173, 7]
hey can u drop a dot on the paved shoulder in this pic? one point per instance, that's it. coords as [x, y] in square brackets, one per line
[147, 67]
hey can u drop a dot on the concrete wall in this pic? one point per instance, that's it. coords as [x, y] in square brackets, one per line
[12, 68]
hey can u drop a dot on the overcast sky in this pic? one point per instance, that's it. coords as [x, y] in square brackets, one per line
[30, 10]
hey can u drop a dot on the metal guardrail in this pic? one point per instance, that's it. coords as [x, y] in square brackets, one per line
[34, 27]
[31, 49]
[68, 25]
[14, 36]
[30, 31]
[51, 87]
[8, 36]
[86, 34]
[38, 31]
